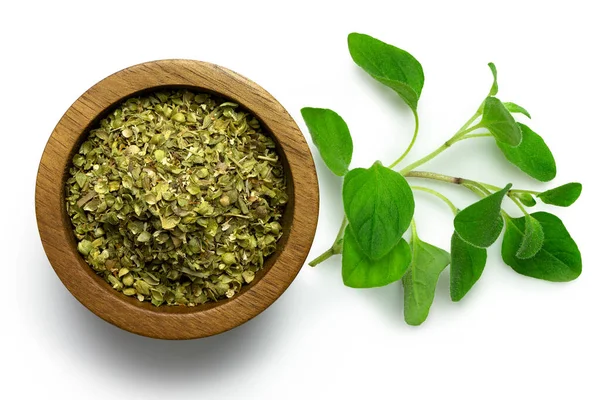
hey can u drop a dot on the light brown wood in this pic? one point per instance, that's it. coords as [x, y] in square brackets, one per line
[176, 322]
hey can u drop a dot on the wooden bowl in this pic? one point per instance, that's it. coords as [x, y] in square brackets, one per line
[176, 322]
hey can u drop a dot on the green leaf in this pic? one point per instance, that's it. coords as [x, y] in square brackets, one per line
[533, 238]
[330, 134]
[562, 196]
[85, 247]
[466, 266]
[81, 178]
[515, 108]
[169, 222]
[390, 65]
[159, 155]
[500, 122]
[480, 224]
[359, 271]
[559, 259]
[532, 155]
[419, 282]
[379, 205]
[494, 88]
[526, 199]
[144, 237]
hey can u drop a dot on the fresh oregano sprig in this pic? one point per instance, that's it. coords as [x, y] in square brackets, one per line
[379, 203]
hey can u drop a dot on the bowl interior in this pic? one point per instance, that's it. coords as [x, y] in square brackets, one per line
[285, 221]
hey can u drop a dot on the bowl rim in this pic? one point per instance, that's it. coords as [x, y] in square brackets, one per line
[173, 322]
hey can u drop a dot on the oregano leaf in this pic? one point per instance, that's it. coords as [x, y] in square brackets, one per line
[391, 66]
[379, 205]
[331, 135]
[480, 224]
[466, 266]
[531, 156]
[515, 108]
[500, 122]
[533, 238]
[359, 271]
[428, 262]
[559, 259]
[562, 196]
[494, 88]
[526, 199]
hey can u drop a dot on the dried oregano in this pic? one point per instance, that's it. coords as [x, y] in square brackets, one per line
[176, 198]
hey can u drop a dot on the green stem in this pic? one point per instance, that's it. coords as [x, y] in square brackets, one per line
[434, 176]
[337, 244]
[457, 137]
[475, 135]
[477, 185]
[322, 257]
[468, 123]
[491, 187]
[486, 187]
[336, 247]
[412, 142]
[518, 203]
[524, 191]
[479, 188]
[511, 192]
[476, 190]
[465, 132]
[413, 226]
[438, 195]
[427, 158]
[448, 179]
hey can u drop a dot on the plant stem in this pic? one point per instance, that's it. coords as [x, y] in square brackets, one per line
[486, 187]
[448, 179]
[428, 157]
[482, 189]
[475, 135]
[477, 185]
[438, 195]
[457, 137]
[476, 190]
[336, 247]
[412, 142]
[413, 226]
[322, 257]
[491, 187]
[434, 176]
[524, 191]
[469, 122]
[511, 192]
[518, 203]
[337, 244]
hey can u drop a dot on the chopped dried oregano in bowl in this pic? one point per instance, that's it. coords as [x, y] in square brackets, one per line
[176, 198]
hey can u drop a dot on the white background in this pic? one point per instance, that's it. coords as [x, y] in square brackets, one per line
[511, 337]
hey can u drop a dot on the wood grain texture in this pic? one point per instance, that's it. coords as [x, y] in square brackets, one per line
[176, 322]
